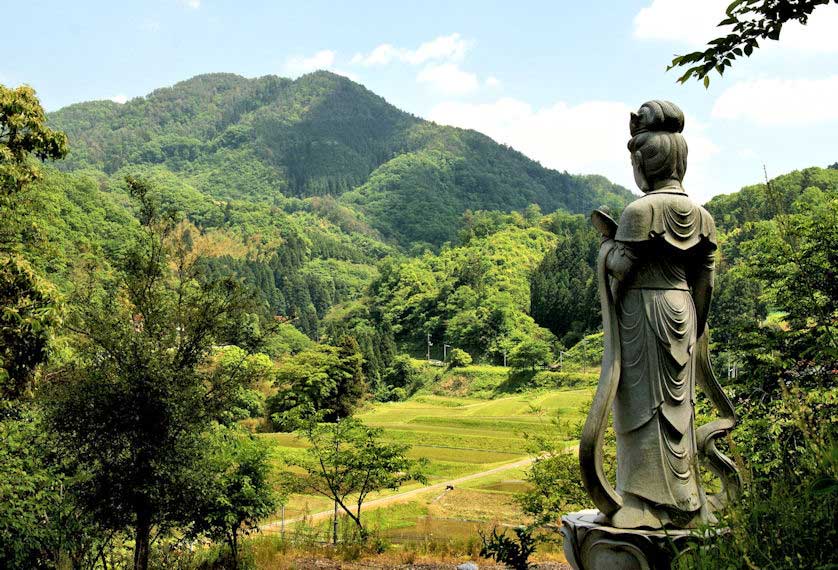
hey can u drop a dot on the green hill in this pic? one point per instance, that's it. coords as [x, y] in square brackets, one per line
[271, 139]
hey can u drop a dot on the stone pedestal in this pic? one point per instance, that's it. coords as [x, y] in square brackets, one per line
[592, 546]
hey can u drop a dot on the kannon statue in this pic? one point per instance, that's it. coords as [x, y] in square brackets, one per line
[655, 274]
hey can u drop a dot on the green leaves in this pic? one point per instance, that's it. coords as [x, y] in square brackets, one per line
[23, 132]
[29, 311]
[752, 20]
[347, 460]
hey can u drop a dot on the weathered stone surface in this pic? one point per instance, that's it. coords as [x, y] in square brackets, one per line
[592, 546]
[655, 274]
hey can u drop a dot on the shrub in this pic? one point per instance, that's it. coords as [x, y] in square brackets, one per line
[514, 553]
[459, 358]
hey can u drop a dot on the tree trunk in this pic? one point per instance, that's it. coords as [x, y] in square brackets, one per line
[234, 549]
[142, 540]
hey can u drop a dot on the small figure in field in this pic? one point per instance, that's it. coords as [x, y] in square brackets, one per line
[656, 280]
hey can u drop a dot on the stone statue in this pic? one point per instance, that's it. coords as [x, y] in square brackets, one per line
[655, 275]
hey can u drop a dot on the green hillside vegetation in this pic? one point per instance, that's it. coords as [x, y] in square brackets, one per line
[766, 201]
[224, 256]
[270, 139]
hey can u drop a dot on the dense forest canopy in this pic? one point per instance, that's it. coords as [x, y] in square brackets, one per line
[270, 140]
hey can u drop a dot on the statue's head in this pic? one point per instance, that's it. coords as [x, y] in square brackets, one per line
[658, 149]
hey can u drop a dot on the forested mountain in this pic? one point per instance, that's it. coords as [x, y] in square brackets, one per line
[271, 139]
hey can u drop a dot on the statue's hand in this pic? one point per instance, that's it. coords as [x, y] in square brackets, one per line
[620, 261]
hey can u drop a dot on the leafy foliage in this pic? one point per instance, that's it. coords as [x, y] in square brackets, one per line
[474, 296]
[530, 354]
[133, 407]
[459, 358]
[23, 133]
[563, 287]
[324, 378]
[348, 460]
[41, 525]
[502, 548]
[238, 490]
[29, 311]
[752, 21]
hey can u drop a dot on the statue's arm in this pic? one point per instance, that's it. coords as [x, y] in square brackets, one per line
[620, 264]
[702, 287]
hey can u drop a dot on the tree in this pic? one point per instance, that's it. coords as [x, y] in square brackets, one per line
[563, 288]
[530, 354]
[752, 21]
[133, 406]
[323, 378]
[458, 358]
[29, 311]
[348, 460]
[42, 524]
[28, 304]
[238, 493]
[23, 133]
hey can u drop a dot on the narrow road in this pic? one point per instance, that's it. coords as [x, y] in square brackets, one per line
[407, 495]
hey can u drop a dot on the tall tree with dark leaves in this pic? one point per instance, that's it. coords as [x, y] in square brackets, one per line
[133, 407]
[28, 303]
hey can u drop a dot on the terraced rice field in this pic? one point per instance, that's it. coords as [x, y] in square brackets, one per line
[460, 436]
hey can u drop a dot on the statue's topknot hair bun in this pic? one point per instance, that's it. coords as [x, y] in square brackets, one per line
[656, 137]
[657, 116]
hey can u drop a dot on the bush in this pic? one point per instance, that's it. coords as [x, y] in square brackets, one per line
[458, 358]
[401, 373]
[514, 553]
[530, 354]
[786, 517]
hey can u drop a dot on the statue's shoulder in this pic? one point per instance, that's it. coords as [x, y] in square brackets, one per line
[671, 216]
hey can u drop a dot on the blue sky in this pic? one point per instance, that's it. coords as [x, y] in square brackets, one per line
[554, 79]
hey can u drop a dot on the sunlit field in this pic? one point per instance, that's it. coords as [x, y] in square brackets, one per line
[460, 436]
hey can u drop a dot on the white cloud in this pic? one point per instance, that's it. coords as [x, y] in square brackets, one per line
[121, 99]
[194, 4]
[452, 47]
[300, 65]
[381, 55]
[586, 138]
[780, 102]
[448, 79]
[493, 82]
[695, 22]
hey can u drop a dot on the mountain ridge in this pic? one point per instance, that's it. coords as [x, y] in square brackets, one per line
[271, 138]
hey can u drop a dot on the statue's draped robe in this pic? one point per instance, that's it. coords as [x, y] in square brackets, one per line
[666, 240]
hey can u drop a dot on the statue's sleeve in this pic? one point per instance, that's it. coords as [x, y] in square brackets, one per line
[701, 284]
[620, 263]
[633, 228]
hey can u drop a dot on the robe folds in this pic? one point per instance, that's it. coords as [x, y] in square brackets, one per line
[665, 242]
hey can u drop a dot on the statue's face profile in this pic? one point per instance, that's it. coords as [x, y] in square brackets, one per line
[639, 176]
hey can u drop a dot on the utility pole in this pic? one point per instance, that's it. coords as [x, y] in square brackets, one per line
[337, 450]
[430, 344]
[504, 358]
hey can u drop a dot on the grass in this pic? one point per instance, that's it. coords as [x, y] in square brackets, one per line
[460, 435]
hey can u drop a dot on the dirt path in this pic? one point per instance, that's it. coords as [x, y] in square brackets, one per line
[407, 495]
